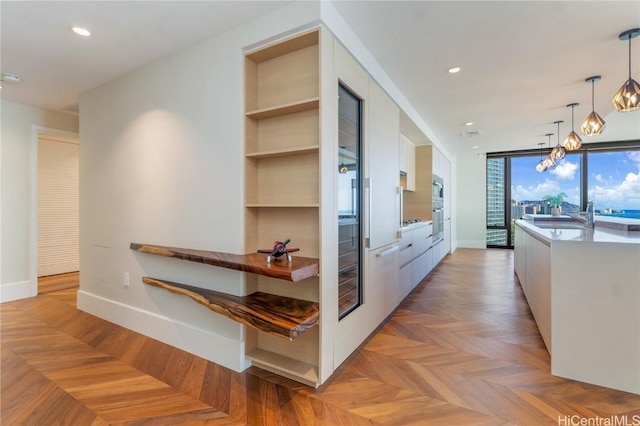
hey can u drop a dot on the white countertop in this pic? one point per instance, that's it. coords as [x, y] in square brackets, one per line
[598, 234]
[621, 223]
[417, 225]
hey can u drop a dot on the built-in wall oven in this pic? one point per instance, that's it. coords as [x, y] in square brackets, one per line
[438, 209]
[437, 190]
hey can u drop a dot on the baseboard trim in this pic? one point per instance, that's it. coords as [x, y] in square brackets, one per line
[472, 244]
[221, 350]
[17, 291]
[58, 268]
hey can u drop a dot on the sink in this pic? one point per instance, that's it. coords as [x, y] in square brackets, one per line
[560, 225]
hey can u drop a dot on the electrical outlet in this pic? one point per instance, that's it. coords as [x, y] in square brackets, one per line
[125, 279]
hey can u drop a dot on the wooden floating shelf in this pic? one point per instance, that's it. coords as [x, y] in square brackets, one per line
[280, 48]
[285, 206]
[284, 152]
[289, 108]
[298, 269]
[284, 366]
[281, 316]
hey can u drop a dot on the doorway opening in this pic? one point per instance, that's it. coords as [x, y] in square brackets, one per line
[58, 211]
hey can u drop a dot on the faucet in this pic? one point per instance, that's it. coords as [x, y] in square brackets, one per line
[586, 216]
[590, 212]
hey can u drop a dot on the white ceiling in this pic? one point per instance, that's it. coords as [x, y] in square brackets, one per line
[522, 62]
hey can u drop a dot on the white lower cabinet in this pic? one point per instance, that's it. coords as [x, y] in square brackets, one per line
[419, 269]
[438, 252]
[430, 263]
[416, 257]
[537, 289]
[533, 266]
[406, 279]
[520, 256]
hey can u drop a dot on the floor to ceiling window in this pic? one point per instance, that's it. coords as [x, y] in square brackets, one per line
[497, 231]
[614, 182]
[606, 173]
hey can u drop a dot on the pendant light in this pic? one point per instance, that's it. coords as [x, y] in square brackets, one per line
[540, 166]
[549, 161]
[342, 168]
[573, 141]
[558, 152]
[628, 96]
[594, 124]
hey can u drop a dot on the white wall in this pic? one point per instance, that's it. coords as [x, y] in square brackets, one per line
[17, 214]
[471, 199]
[162, 163]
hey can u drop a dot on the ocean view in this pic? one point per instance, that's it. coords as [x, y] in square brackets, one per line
[631, 214]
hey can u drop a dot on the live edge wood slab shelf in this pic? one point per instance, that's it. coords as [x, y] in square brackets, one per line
[296, 270]
[281, 316]
[278, 315]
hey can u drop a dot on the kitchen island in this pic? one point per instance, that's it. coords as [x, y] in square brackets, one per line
[583, 287]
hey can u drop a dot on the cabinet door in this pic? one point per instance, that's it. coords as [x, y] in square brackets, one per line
[519, 256]
[445, 169]
[382, 150]
[406, 280]
[406, 248]
[435, 158]
[419, 269]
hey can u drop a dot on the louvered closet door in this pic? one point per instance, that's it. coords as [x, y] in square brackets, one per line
[58, 207]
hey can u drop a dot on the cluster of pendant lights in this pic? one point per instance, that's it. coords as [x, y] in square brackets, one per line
[626, 99]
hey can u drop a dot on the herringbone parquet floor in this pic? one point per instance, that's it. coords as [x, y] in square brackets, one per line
[462, 349]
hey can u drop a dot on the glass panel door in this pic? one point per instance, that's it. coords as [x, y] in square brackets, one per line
[349, 202]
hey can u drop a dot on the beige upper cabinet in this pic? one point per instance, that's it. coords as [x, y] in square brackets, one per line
[407, 164]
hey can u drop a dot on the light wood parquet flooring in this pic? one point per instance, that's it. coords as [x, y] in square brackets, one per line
[462, 349]
[58, 282]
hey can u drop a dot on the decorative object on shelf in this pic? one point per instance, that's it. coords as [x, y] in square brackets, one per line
[594, 124]
[558, 151]
[556, 202]
[279, 249]
[573, 141]
[540, 167]
[628, 96]
[549, 160]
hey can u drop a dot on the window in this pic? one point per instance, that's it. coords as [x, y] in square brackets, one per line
[497, 233]
[614, 182]
[606, 173]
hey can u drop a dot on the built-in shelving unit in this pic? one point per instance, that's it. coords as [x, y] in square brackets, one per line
[284, 152]
[284, 109]
[282, 186]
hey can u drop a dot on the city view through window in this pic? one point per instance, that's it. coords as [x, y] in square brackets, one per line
[515, 188]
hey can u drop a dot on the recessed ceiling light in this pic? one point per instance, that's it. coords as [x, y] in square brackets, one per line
[10, 78]
[454, 70]
[469, 123]
[475, 147]
[81, 31]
